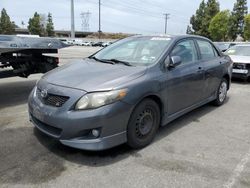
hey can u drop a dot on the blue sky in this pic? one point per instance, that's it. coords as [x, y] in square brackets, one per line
[129, 16]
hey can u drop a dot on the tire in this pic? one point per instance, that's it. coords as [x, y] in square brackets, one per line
[221, 93]
[143, 124]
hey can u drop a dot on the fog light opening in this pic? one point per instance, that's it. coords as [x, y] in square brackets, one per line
[95, 133]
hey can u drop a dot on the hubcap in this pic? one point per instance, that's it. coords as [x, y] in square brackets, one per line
[223, 91]
[144, 123]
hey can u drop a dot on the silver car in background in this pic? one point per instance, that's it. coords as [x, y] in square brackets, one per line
[240, 54]
[224, 46]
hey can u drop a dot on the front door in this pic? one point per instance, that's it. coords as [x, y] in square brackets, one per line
[185, 83]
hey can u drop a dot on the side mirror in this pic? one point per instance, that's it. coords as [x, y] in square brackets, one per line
[173, 61]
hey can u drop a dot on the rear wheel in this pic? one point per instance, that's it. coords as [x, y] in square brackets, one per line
[143, 124]
[221, 93]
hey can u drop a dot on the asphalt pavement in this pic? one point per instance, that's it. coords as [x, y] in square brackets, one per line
[208, 147]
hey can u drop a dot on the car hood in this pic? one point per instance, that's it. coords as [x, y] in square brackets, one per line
[89, 75]
[240, 59]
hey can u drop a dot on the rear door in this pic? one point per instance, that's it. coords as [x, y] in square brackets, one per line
[212, 64]
[186, 81]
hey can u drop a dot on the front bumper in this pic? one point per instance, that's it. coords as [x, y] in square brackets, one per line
[241, 76]
[72, 128]
[241, 71]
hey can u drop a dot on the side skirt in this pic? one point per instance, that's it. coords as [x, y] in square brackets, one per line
[167, 119]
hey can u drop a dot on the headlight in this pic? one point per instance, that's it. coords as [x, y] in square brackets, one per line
[98, 99]
[35, 91]
[240, 65]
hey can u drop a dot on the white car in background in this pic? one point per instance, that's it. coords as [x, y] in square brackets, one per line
[86, 44]
[77, 42]
[65, 41]
[105, 44]
[240, 54]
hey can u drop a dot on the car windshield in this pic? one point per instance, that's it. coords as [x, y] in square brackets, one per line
[239, 50]
[137, 51]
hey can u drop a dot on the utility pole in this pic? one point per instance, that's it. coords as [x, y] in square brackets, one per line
[99, 31]
[72, 20]
[166, 21]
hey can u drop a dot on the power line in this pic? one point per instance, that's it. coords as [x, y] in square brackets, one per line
[159, 6]
[130, 27]
[128, 10]
[139, 6]
[132, 8]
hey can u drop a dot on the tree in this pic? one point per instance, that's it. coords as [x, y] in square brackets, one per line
[201, 20]
[34, 26]
[15, 25]
[218, 28]
[236, 23]
[197, 19]
[247, 27]
[212, 8]
[6, 26]
[50, 26]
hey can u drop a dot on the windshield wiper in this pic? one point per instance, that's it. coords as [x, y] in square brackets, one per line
[100, 60]
[111, 61]
[117, 61]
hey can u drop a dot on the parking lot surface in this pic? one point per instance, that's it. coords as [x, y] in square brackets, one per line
[209, 147]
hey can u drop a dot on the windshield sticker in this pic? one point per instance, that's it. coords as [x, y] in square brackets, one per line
[160, 38]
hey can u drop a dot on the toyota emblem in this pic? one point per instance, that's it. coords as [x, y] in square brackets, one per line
[44, 93]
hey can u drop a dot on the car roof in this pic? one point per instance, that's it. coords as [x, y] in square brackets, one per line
[173, 36]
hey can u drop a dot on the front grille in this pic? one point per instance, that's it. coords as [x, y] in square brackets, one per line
[51, 99]
[53, 131]
[239, 66]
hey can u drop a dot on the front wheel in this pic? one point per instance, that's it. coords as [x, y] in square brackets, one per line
[221, 93]
[143, 124]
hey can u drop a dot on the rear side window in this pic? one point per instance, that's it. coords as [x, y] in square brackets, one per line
[207, 50]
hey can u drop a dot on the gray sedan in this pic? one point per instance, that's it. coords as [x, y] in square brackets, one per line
[123, 93]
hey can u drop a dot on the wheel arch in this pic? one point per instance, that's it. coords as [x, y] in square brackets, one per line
[227, 77]
[156, 99]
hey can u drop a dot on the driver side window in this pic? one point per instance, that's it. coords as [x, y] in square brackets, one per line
[186, 51]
